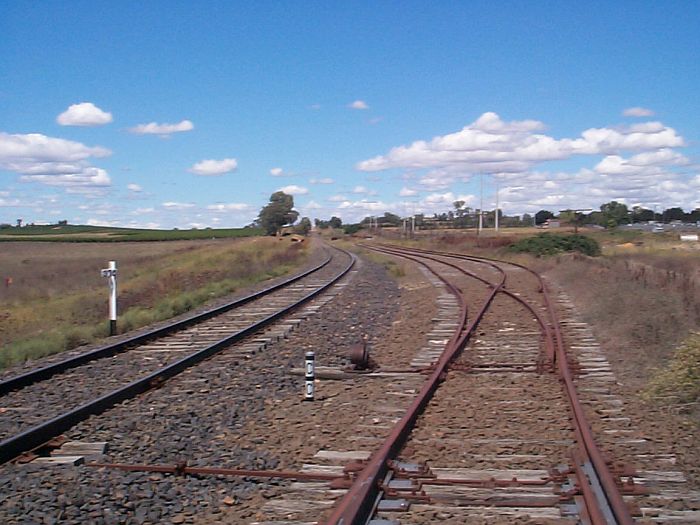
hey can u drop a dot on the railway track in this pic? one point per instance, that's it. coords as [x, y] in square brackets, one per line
[496, 434]
[41, 404]
[487, 435]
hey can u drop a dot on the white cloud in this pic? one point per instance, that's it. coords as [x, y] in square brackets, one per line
[134, 187]
[212, 167]
[84, 114]
[407, 192]
[277, 172]
[337, 198]
[143, 211]
[20, 151]
[365, 205]
[358, 104]
[153, 128]
[293, 189]
[325, 180]
[363, 190]
[9, 203]
[491, 145]
[90, 180]
[53, 161]
[177, 205]
[233, 206]
[637, 112]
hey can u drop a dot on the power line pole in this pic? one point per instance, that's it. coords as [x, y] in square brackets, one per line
[481, 205]
[496, 223]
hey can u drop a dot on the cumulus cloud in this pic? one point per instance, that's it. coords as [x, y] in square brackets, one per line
[358, 104]
[143, 211]
[407, 192]
[293, 189]
[170, 205]
[490, 144]
[211, 167]
[363, 190]
[164, 130]
[84, 114]
[90, 180]
[277, 172]
[53, 161]
[325, 180]
[637, 112]
[365, 205]
[228, 207]
[337, 198]
[134, 187]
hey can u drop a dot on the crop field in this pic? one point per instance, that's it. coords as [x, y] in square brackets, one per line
[76, 233]
[54, 297]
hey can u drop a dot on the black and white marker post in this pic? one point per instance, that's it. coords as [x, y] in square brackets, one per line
[309, 376]
[111, 274]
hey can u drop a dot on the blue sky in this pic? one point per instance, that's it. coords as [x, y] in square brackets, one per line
[181, 114]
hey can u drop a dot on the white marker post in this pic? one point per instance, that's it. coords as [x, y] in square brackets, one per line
[111, 274]
[309, 376]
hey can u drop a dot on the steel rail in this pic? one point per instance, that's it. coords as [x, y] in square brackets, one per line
[358, 503]
[46, 372]
[586, 440]
[36, 436]
[547, 330]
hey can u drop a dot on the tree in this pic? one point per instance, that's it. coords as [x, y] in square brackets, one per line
[390, 219]
[615, 213]
[640, 214]
[304, 226]
[542, 216]
[279, 212]
[335, 222]
[673, 214]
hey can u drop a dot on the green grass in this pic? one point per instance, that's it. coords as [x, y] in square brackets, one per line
[151, 288]
[77, 233]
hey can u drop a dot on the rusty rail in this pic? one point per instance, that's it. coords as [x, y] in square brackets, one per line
[357, 504]
[587, 446]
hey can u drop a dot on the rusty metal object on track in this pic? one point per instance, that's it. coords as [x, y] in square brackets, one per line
[359, 356]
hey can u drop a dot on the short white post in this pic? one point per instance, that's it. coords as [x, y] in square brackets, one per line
[111, 274]
[309, 376]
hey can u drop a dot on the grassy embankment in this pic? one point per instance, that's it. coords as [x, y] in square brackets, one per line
[57, 299]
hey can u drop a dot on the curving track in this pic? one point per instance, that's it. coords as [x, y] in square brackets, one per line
[41, 404]
[534, 456]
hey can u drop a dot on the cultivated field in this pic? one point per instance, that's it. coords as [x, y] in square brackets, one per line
[54, 297]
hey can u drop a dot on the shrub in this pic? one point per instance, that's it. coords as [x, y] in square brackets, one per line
[552, 244]
[679, 380]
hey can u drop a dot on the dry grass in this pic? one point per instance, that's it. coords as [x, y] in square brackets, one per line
[648, 305]
[58, 300]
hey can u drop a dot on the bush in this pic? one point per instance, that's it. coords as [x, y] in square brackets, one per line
[552, 244]
[679, 381]
[350, 229]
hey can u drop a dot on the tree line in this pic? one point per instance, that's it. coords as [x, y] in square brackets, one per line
[279, 213]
